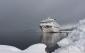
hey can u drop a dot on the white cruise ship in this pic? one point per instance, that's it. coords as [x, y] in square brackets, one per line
[49, 25]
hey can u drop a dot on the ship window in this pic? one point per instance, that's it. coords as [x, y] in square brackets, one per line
[47, 26]
[44, 22]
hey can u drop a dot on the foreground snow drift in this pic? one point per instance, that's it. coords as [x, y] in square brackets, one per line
[8, 49]
[75, 42]
[36, 48]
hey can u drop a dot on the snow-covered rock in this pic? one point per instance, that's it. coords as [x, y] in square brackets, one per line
[75, 42]
[76, 34]
[77, 47]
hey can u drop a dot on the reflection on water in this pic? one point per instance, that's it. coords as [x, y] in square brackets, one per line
[23, 40]
[50, 39]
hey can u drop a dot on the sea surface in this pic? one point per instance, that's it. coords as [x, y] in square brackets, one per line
[23, 40]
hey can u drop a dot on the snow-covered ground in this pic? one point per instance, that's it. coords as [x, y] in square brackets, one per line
[36, 48]
[9, 49]
[75, 42]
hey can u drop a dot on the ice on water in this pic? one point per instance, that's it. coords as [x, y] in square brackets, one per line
[75, 42]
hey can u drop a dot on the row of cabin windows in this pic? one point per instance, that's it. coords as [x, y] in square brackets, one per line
[47, 26]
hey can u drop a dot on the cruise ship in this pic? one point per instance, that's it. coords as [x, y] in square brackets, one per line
[49, 25]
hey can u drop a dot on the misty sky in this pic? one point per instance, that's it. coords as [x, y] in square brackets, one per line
[22, 15]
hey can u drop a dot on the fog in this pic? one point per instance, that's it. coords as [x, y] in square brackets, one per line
[25, 15]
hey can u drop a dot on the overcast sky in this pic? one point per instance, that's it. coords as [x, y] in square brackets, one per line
[21, 15]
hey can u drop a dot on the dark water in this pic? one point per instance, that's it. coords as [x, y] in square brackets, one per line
[23, 40]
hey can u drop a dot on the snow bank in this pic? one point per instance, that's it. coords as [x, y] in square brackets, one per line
[9, 49]
[36, 48]
[75, 42]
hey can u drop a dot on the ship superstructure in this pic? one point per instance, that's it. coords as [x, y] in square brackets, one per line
[49, 25]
